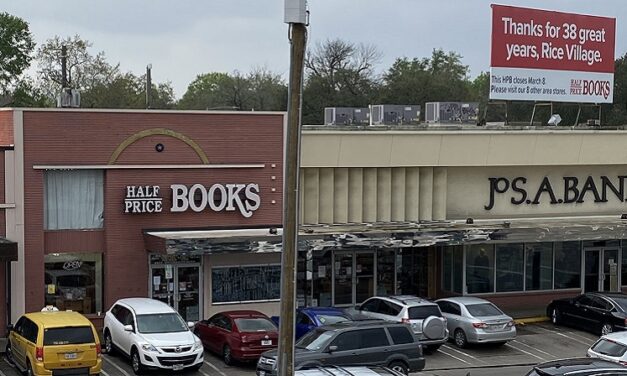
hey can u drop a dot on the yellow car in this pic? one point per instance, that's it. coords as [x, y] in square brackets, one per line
[48, 343]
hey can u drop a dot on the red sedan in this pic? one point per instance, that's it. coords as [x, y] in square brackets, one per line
[238, 335]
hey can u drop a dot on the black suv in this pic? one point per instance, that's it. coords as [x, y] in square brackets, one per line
[370, 343]
[578, 367]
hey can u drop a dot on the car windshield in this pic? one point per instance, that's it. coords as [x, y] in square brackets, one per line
[68, 336]
[422, 312]
[258, 324]
[161, 323]
[331, 319]
[483, 309]
[609, 348]
[315, 340]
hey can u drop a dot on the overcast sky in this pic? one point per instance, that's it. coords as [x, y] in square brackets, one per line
[187, 37]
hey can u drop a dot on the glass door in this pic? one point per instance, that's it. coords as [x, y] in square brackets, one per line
[187, 291]
[162, 284]
[364, 276]
[343, 278]
[601, 270]
[610, 275]
[592, 272]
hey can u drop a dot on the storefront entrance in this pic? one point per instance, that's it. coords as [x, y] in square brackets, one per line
[353, 277]
[175, 280]
[600, 269]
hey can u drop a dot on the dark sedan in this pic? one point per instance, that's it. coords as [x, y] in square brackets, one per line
[597, 312]
[238, 335]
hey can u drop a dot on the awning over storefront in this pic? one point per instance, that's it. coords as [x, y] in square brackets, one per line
[390, 235]
[8, 250]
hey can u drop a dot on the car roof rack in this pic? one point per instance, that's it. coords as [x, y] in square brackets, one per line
[406, 298]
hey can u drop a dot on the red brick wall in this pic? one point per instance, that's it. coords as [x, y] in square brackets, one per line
[90, 138]
[6, 128]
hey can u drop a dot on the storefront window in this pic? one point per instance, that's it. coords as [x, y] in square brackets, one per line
[385, 272]
[568, 265]
[234, 284]
[539, 266]
[510, 267]
[73, 199]
[322, 269]
[480, 268]
[304, 278]
[73, 281]
[412, 271]
[452, 276]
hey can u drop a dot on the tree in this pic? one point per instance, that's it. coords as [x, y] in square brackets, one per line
[127, 91]
[339, 73]
[26, 94]
[268, 91]
[209, 91]
[16, 47]
[84, 70]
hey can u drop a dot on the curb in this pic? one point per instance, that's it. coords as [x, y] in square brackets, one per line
[531, 320]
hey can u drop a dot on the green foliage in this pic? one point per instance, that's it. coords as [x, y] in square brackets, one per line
[127, 91]
[16, 47]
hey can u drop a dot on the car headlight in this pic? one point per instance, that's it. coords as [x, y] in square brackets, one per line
[149, 347]
[197, 345]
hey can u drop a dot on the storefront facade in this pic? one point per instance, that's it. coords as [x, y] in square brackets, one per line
[87, 185]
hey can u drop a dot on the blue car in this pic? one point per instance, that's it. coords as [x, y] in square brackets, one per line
[310, 318]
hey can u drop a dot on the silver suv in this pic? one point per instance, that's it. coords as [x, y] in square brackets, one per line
[423, 315]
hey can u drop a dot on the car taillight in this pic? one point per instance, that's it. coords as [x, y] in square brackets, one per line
[480, 325]
[625, 321]
[39, 354]
[405, 321]
[622, 362]
[98, 350]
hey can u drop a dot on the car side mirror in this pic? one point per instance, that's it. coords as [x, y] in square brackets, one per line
[190, 324]
[128, 328]
[332, 349]
[10, 327]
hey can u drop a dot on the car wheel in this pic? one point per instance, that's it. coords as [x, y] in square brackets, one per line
[136, 363]
[460, 339]
[556, 316]
[606, 329]
[108, 343]
[227, 356]
[399, 366]
[9, 353]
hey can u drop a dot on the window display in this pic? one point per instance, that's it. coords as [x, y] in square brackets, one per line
[73, 281]
[245, 283]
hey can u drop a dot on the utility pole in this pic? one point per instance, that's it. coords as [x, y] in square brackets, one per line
[296, 16]
[64, 83]
[148, 86]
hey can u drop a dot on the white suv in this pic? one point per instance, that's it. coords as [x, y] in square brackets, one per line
[152, 335]
[423, 315]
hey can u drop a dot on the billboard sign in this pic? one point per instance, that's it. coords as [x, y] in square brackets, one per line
[540, 55]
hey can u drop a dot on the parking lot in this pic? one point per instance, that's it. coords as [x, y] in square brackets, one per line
[535, 343]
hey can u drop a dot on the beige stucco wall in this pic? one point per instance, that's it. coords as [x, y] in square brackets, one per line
[382, 176]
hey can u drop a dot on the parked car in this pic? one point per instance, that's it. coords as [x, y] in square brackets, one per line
[475, 320]
[423, 315]
[347, 371]
[238, 335]
[54, 342]
[597, 312]
[612, 347]
[152, 334]
[313, 317]
[368, 343]
[579, 367]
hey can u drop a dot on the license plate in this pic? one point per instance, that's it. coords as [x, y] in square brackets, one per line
[177, 367]
[70, 355]
[267, 342]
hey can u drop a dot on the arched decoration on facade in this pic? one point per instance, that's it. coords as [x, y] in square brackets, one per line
[158, 132]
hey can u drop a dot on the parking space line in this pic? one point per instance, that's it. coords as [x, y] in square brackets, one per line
[214, 367]
[559, 333]
[203, 372]
[525, 352]
[116, 366]
[533, 348]
[101, 371]
[2, 373]
[7, 362]
[465, 354]
[453, 356]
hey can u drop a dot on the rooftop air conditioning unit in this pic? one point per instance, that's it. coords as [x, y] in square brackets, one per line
[338, 115]
[452, 112]
[361, 116]
[69, 98]
[392, 114]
